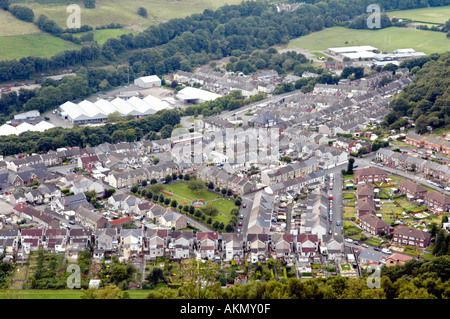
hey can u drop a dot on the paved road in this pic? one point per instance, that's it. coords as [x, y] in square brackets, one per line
[337, 193]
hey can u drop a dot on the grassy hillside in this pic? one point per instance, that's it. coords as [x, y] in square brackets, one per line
[10, 25]
[37, 44]
[434, 15]
[386, 40]
[124, 12]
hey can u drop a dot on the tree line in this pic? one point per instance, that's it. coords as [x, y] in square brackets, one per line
[184, 43]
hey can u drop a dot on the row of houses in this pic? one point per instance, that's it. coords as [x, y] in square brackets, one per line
[428, 142]
[404, 161]
[435, 201]
[290, 171]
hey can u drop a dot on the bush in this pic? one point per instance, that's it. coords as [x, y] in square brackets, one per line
[22, 13]
[142, 12]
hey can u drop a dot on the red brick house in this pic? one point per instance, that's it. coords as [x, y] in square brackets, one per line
[411, 236]
[365, 191]
[415, 139]
[445, 148]
[119, 223]
[433, 143]
[88, 162]
[373, 224]
[365, 206]
[370, 175]
[437, 201]
[413, 191]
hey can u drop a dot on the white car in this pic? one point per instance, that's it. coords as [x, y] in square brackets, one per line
[386, 251]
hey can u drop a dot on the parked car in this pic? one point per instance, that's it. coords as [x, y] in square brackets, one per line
[386, 251]
[240, 224]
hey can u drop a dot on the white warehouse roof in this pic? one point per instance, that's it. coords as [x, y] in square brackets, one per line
[191, 93]
[6, 129]
[150, 79]
[87, 111]
[355, 49]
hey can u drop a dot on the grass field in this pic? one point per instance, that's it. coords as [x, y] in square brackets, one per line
[385, 40]
[11, 26]
[181, 193]
[57, 294]
[37, 44]
[102, 35]
[433, 15]
[124, 12]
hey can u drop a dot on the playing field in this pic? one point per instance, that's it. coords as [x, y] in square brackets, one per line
[437, 15]
[36, 44]
[386, 40]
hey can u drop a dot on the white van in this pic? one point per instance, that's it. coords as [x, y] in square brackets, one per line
[386, 251]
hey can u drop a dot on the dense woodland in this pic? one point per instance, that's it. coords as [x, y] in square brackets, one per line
[184, 43]
[427, 100]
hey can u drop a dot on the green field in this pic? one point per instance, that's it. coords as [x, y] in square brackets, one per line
[37, 44]
[10, 25]
[434, 15]
[385, 40]
[57, 294]
[104, 34]
[124, 12]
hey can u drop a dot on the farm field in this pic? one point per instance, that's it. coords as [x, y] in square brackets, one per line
[434, 15]
[36, 44]
[386, 40]
[11, 26]
[115, 11]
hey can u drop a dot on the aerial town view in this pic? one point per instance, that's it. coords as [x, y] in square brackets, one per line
[229, 149]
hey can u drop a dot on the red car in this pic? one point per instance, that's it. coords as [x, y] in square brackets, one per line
[414, 150]
[240, 224]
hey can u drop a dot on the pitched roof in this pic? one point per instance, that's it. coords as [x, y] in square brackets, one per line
[411, 186]
[412, 232]
[120, 221]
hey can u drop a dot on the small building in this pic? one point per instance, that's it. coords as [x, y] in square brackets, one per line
[146, 82]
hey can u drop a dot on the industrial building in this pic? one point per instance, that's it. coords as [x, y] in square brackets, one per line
[87, 112]
[146, 82]
[191, 95]
[7, 129]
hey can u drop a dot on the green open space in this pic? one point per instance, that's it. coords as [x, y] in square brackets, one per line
[104, 34]
[432, 15]
[11, 26]
[386, 40]
[36, 44]
[124, 12]
[58, 294]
